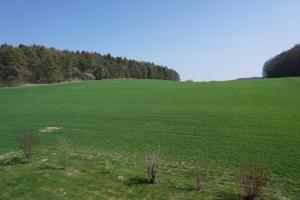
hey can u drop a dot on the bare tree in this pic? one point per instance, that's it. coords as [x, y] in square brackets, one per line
[65, 150]
[153, 162]
[252, 181]
[27, 143]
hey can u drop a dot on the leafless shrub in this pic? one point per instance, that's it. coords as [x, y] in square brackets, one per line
[27, 143]
[252, 181]
[153, 162]
[199, 177]
[64, 148]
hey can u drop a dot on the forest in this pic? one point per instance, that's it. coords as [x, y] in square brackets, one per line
[286, 64]
[39, 64]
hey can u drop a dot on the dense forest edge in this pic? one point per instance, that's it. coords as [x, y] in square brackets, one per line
[39, 64]
[286, 64]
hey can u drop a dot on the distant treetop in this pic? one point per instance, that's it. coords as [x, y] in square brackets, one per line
[286, 64]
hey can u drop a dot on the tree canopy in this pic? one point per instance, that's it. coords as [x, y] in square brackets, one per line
[286, 64]
[38, 64]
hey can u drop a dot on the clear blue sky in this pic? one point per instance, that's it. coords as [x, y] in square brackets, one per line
[201, 39]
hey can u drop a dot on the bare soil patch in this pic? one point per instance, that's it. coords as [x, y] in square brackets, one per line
[50, 129]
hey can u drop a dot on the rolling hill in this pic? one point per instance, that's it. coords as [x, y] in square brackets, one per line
[111, 124]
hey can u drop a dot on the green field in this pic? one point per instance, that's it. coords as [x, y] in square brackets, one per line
[112, 123]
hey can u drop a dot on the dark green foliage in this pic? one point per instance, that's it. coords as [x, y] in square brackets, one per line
[286, 64]
[9, 75]
[13, 65]
[38, 64]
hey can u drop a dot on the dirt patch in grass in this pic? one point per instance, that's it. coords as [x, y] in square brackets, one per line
[50, 129]
[72, 172]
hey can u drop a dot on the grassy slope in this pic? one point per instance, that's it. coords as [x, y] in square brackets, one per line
[224, 124]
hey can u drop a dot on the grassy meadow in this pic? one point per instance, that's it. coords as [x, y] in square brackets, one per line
[111, 124]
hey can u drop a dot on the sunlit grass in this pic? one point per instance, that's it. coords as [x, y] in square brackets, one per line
[223, 124]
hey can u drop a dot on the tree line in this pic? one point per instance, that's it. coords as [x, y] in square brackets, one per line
[39, 64]
[286, 64]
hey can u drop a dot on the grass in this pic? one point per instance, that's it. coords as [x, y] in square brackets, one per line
[223, 124]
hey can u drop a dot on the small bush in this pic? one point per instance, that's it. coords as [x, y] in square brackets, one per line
[64, 148]
[199, 177]
[189, 81]
[27, 143]
[11, 158]
[252, 181]
[153, 162]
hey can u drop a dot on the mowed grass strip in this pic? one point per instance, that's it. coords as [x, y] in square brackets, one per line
[223, 124]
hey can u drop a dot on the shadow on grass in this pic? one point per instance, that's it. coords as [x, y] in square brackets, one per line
[187, 188]
[12, 161]
[50, 167]
[227, 196]
[137, 181]
[105, 172]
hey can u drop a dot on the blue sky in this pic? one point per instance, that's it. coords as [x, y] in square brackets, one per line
[201, 39]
